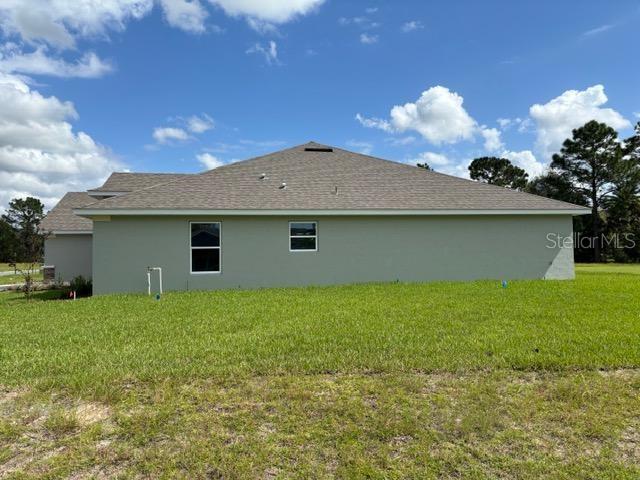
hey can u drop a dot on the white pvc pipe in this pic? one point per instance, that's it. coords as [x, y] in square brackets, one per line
[153, 269]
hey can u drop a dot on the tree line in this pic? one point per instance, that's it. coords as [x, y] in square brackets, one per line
[595, 169]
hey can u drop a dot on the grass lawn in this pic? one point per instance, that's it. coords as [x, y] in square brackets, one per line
[632, 268]
[4, 267]
[13, 279]
[442, 380]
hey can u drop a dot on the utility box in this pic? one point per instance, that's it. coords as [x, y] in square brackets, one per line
[49, 273]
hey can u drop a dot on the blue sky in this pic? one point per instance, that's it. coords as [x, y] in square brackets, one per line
[178, 85]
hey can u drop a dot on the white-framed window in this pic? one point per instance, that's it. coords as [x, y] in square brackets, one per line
[303, 236]
[205, 247]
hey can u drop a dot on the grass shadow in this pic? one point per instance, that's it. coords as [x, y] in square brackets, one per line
[16, 296]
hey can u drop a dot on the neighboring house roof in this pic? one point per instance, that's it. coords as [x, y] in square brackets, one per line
[128, 181]
[332, 181]
[61, 217]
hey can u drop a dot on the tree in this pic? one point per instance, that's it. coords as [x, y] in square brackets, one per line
[623, 205]
[557, 186]
[498, 171]
[8, 242]
[24, 217]
[587, 160]
[631, 147]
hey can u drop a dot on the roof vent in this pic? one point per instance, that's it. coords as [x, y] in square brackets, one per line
[263, 176]
[318, 149]
[283, 186]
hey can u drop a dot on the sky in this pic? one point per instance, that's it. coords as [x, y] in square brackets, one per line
[88, 87]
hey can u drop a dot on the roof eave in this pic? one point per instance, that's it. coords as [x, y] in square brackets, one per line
[88, 212]
[102, 193]
[72, 232]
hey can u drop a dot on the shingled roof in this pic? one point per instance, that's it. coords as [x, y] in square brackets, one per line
[129, 181]
[316, 177]
[61, 217]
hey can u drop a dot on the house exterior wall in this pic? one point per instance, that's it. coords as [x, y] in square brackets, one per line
[255, 251]
[70, 254]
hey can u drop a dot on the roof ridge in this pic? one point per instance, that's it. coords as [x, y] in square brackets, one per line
[455, 178]
[371, 182]
[152, 173]
[252, 159]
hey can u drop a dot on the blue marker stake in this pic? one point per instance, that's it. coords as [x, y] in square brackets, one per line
[504, 284]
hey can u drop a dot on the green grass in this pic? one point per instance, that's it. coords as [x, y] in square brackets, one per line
[5, 267]
[442, 380]
[89, 344]
[630, 268]
[13, 279]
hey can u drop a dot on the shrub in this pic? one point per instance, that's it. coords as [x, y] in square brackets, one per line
[82, 286]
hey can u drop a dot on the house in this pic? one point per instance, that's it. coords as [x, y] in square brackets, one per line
[312, 215]
[69, 239]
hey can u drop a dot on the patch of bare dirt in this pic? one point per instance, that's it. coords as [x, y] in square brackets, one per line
[629, 444]
[89, 413]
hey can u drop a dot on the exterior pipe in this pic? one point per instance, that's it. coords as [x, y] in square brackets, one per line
[153, 269]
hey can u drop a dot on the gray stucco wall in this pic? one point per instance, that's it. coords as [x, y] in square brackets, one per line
[71, 255]
[255, 251]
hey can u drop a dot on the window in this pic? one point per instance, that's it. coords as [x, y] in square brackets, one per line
[303, 236]
[205, 247]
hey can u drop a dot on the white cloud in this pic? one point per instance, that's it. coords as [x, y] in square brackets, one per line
[505, 123]
[188, 15]
[371, 10]
[556, 118]
[40, 154]
[13, 60]
[374, 123]
[269, 51]
[363, 147]
[524, 125]
[408, 140]
[459, 169]
[195, 124]
[492, 140]
[636, 114]
[368, 39]
[165, 135]
[209, 161]
[438, 115]
[200, 124]
[263, 27]
[273, 11]
[363, 22]
[597, 30]
[411, 26]
[526, 160]
[431, 158]
[59, 22]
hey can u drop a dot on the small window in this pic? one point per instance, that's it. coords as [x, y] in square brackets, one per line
[205, 247]
[303, 236]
